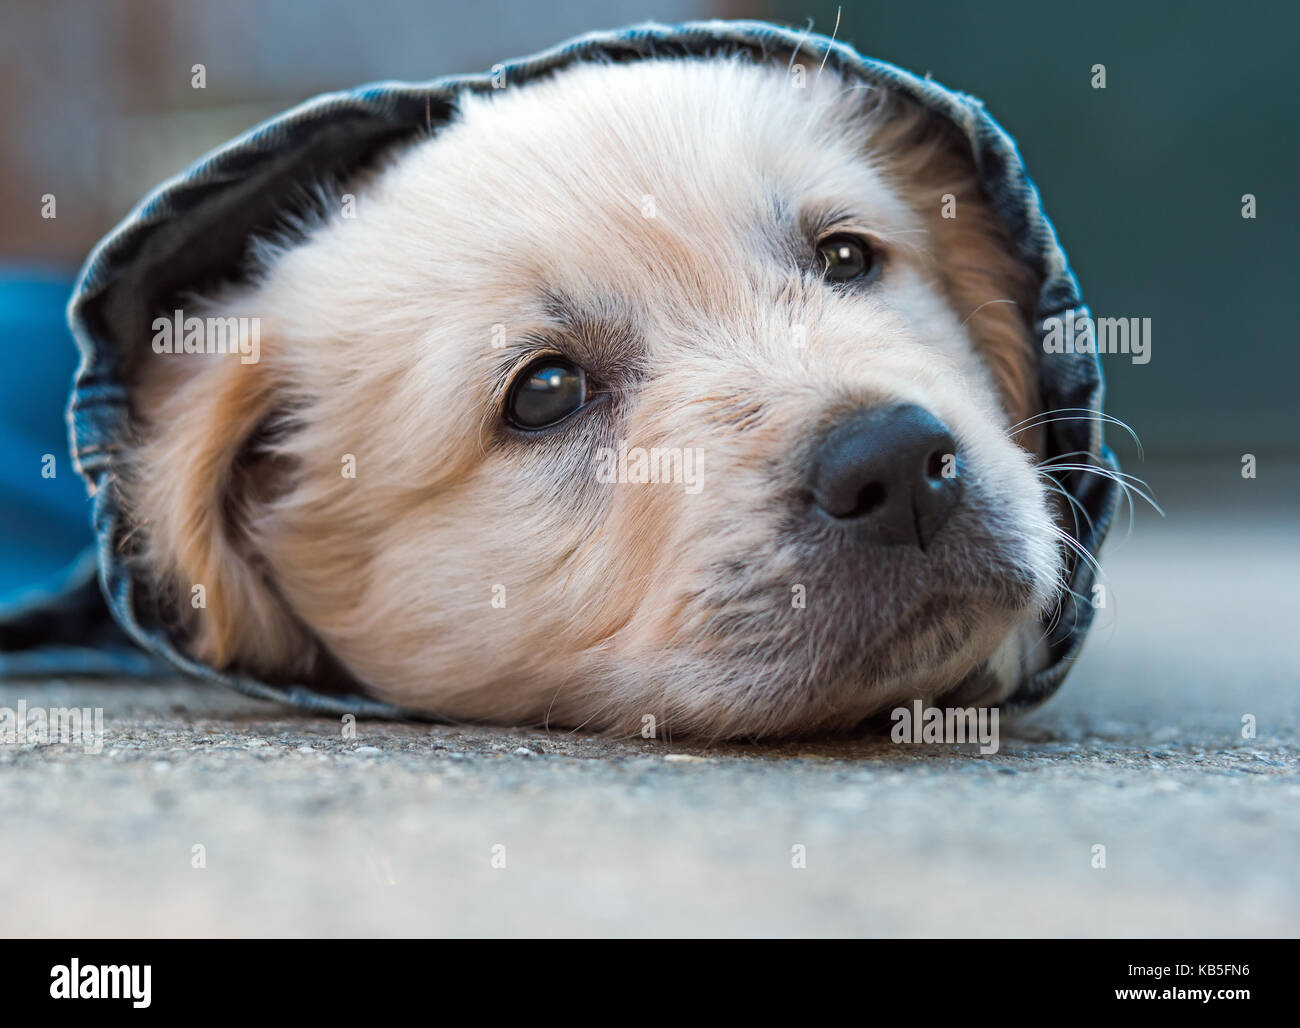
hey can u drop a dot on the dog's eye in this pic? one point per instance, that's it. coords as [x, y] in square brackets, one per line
[846, 258]
[546, 392]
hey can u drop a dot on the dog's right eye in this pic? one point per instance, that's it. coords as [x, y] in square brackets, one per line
[545, 393]
[847, 258]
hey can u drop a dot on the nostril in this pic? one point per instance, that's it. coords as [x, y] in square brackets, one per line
[934, 467]
[873, 495]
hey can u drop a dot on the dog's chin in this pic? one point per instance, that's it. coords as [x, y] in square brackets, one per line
[960, 622]
[823, 680]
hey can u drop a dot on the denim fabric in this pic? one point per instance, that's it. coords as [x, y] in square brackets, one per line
[43, 505]
[192, 232]
[53, 619]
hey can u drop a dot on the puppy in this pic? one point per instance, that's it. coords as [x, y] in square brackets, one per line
[659, 390]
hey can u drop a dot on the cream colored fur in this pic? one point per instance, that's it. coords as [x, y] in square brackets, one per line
[621, 601]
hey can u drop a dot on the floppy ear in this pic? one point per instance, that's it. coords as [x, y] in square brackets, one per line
[196, 484]
[991, 290]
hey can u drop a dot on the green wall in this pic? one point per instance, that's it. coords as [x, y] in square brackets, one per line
[1143, 180]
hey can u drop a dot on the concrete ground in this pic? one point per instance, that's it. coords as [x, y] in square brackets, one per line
[306, 833]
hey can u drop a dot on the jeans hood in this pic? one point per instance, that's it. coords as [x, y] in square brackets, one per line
[192, 233]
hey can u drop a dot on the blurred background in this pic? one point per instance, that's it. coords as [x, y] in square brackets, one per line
[1144, 178]
[1142, 749]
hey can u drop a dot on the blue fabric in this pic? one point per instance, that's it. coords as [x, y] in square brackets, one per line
[53, 618]
[194, 230]
[43, 506]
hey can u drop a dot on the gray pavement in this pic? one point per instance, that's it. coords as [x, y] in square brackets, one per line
[303, 832]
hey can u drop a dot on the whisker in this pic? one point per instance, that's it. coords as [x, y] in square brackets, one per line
[1125, 481]
[834, 32]
[981, 307]
[1079, 549]
[1075, 505]
[1119, 478]
[1063, 589]
[1085, 415]
[1046, 461]
[795, 53]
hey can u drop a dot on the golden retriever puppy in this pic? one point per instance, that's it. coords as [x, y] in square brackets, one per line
[659, 393]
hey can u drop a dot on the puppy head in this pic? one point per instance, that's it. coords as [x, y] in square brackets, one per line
[660, 390]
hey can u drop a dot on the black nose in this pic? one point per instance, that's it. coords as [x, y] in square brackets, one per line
[891, 472]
